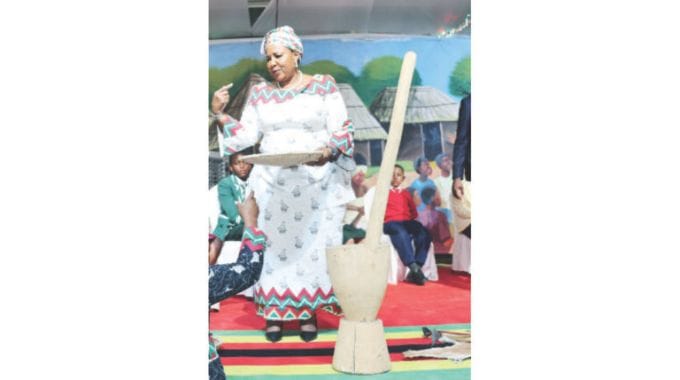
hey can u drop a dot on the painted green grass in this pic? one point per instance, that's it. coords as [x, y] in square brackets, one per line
[407, 165]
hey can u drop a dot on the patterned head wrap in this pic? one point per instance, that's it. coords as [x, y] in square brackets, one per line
[284, 36]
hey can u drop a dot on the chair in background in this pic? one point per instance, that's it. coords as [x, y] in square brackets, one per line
[398, 271]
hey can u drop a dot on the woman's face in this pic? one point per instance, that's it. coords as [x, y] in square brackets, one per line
[281, 62]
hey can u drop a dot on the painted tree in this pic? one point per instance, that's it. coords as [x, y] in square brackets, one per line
[380, 73]
[340, 73]
[459, 81]
[236, 74]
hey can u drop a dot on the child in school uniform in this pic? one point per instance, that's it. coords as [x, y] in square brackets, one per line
[404, 230]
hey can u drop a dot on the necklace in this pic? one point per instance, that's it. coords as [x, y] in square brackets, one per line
[295, 85]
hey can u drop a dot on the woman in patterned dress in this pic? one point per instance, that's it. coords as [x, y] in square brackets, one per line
[302, 206]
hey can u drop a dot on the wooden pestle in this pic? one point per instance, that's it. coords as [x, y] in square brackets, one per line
[382, 187]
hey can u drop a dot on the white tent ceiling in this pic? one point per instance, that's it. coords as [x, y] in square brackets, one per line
[231, 18]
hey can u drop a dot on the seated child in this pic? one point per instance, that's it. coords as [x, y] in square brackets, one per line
[403, 228]
[435, 222]
[422, 166]
[352, 229]
[225, 280]
[230, 191]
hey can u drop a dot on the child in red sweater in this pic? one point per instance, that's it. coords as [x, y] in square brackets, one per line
[404, 230]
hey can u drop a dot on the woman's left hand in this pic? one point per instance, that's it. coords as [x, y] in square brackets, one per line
[326, 157]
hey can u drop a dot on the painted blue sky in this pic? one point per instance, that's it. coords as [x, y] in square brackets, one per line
[437, 57]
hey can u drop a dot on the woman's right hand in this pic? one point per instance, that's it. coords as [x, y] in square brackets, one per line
[220, 98]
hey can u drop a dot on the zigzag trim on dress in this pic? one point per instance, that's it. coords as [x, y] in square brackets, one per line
[343, 139]
[265, 93]
[231, 125]
[290, 313]
[289, 306]
[254, 239]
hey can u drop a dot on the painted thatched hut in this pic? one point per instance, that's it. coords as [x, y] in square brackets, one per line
[369, 135]
[429, 125]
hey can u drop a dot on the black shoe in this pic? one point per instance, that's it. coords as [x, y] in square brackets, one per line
[415, 275]
[414, 278]
[422, 275]
[309, 336]
[274, 336]
[419, 272]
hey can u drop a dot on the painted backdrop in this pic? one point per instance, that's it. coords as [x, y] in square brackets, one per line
[369, 65]
[366, 69]
[357, 58]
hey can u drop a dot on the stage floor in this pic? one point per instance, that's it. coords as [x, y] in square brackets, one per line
[443, 305]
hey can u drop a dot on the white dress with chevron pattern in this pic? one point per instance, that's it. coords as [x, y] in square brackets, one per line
[301, 207]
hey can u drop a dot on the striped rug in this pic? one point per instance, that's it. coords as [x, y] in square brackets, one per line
[245, 354]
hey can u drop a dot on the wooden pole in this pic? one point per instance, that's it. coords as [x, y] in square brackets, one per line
[382, 187]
